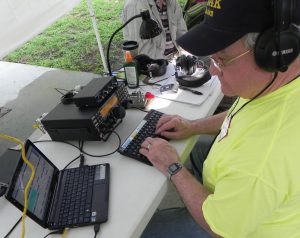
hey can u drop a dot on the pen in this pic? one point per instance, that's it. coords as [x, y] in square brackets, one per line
[191, 90]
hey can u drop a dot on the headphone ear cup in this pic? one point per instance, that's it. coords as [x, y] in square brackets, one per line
[197, 76]
[264, 46]
[266, 49]
[159, 67]
[182, 63]
[187, 64]
[142, 63]
[277, 47]
[191, 65]
[153, 69]
[290, 41]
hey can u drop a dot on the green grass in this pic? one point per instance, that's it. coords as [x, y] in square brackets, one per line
[70, 43]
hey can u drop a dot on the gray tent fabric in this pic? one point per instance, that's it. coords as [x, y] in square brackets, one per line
[26, 19]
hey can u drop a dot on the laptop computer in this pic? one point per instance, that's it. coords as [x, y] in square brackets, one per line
[58, 199]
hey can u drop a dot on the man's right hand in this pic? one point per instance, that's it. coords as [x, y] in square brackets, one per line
[174, 127]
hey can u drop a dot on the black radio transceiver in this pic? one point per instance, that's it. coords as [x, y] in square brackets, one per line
[68, 122]
[96, 92]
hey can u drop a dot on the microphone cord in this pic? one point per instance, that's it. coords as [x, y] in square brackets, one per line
[252, 99]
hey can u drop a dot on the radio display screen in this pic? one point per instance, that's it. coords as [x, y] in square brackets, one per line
[113, 101]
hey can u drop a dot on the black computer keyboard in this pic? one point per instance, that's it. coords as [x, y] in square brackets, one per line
[145, 129]
[77, 196]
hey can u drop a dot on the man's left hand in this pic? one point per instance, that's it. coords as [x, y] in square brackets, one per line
[159, 152]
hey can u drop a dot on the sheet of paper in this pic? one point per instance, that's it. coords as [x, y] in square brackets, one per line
[183, 96]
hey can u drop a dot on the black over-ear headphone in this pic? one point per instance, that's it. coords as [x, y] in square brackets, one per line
[151, 67]
[190, 74]
[278, 46]
[187, 64]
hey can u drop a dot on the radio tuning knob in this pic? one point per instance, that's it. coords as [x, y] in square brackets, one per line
[119, 112]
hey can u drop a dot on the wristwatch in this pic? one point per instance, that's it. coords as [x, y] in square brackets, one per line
[173, 169]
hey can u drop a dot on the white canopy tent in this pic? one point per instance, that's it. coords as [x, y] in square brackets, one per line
[21, 20]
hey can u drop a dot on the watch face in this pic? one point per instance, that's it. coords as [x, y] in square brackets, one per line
[173, 167]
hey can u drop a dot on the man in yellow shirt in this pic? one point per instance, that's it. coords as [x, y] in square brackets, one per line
[251, 175]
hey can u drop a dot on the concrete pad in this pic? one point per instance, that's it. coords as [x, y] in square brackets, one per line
[30, 91]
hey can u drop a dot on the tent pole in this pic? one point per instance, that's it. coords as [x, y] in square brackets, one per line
[100, 47]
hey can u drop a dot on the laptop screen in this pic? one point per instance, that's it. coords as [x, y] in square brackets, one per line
[38, 196]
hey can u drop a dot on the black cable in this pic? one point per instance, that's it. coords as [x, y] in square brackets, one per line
[12, 149]
[111, 38]
[256, 96]
[72, 161]
[156, 83]
[82, 151]
[5, 108]
[14, 226]
[59, 90]
[81, 142]
[81, 164]
[96, 229]
[237, 101]
[139, 109]
[55, 232]
[81, 154]
[65, 142]
[3, 188]
[120, 142]
[163, 79]
[150, 84]
[169, 209]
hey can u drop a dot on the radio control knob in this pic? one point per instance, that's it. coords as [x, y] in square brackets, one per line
[119, 112]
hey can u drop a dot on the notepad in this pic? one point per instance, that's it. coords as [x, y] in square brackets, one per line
[184, 96]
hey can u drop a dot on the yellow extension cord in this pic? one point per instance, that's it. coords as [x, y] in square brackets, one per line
[64, 233]
[30, 179]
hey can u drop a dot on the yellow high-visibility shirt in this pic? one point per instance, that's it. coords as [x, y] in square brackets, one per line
[254, 171]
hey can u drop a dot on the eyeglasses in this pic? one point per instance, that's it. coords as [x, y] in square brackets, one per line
[221, 64]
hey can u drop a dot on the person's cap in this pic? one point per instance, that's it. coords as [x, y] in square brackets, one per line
[225, 22]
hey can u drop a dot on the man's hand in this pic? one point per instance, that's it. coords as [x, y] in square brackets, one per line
[159, 152]
[174, 127]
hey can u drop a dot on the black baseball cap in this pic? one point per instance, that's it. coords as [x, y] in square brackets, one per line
[225, 22]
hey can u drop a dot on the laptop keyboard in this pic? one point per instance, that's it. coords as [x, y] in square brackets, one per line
[145, 129]
[77, 196]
